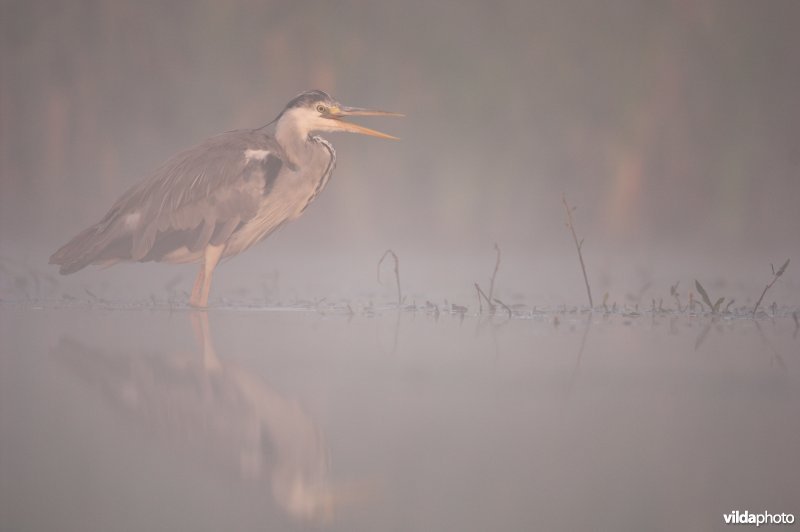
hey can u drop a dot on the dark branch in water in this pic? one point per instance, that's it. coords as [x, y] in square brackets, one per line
[396, 273]
[578, 245]
[775, 276]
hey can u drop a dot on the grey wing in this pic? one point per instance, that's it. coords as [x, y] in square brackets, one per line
[198, 197]
[204, 195]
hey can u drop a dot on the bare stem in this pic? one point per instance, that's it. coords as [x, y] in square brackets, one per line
[481, 293]
[494, 274]
[775, 276]
[578, 246]
[396, 273]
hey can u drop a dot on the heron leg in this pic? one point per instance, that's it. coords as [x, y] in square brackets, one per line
[194, 300]
[202, 334]
[202, 284]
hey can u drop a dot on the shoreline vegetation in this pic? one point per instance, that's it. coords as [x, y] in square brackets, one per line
[35, 289]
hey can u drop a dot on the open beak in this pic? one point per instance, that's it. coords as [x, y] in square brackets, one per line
[339, 113]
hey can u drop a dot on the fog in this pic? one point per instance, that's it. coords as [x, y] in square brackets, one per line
[319, 391]
[672, 126]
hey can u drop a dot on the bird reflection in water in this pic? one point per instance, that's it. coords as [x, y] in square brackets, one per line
[224, 413]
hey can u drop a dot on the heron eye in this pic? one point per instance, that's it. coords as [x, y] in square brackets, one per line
[320, 108]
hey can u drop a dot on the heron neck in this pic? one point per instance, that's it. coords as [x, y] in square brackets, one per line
[293, 140]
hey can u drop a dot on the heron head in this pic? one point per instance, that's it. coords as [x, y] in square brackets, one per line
[317, 111]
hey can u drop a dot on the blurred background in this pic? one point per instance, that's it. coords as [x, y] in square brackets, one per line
[671, 125]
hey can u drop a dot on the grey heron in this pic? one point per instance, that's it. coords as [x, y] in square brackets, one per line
[222, 196]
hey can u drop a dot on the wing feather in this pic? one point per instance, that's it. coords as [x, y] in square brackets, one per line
[200, 194]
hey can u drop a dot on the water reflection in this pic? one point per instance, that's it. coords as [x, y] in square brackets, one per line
[228, 415]
[561, 421]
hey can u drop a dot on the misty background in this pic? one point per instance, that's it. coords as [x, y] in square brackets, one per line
[672, 126]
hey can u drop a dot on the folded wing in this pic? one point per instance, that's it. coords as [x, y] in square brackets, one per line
[198, 197]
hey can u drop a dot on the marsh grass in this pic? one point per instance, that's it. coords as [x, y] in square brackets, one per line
[714, 307]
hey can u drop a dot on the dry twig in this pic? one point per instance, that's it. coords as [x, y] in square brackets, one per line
[482, 294]
[494, 274]
[578, 245]
[775, 276]
[508, 309]
[396, 273]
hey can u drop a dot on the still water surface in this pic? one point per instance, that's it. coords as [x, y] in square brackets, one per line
[277, 420]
